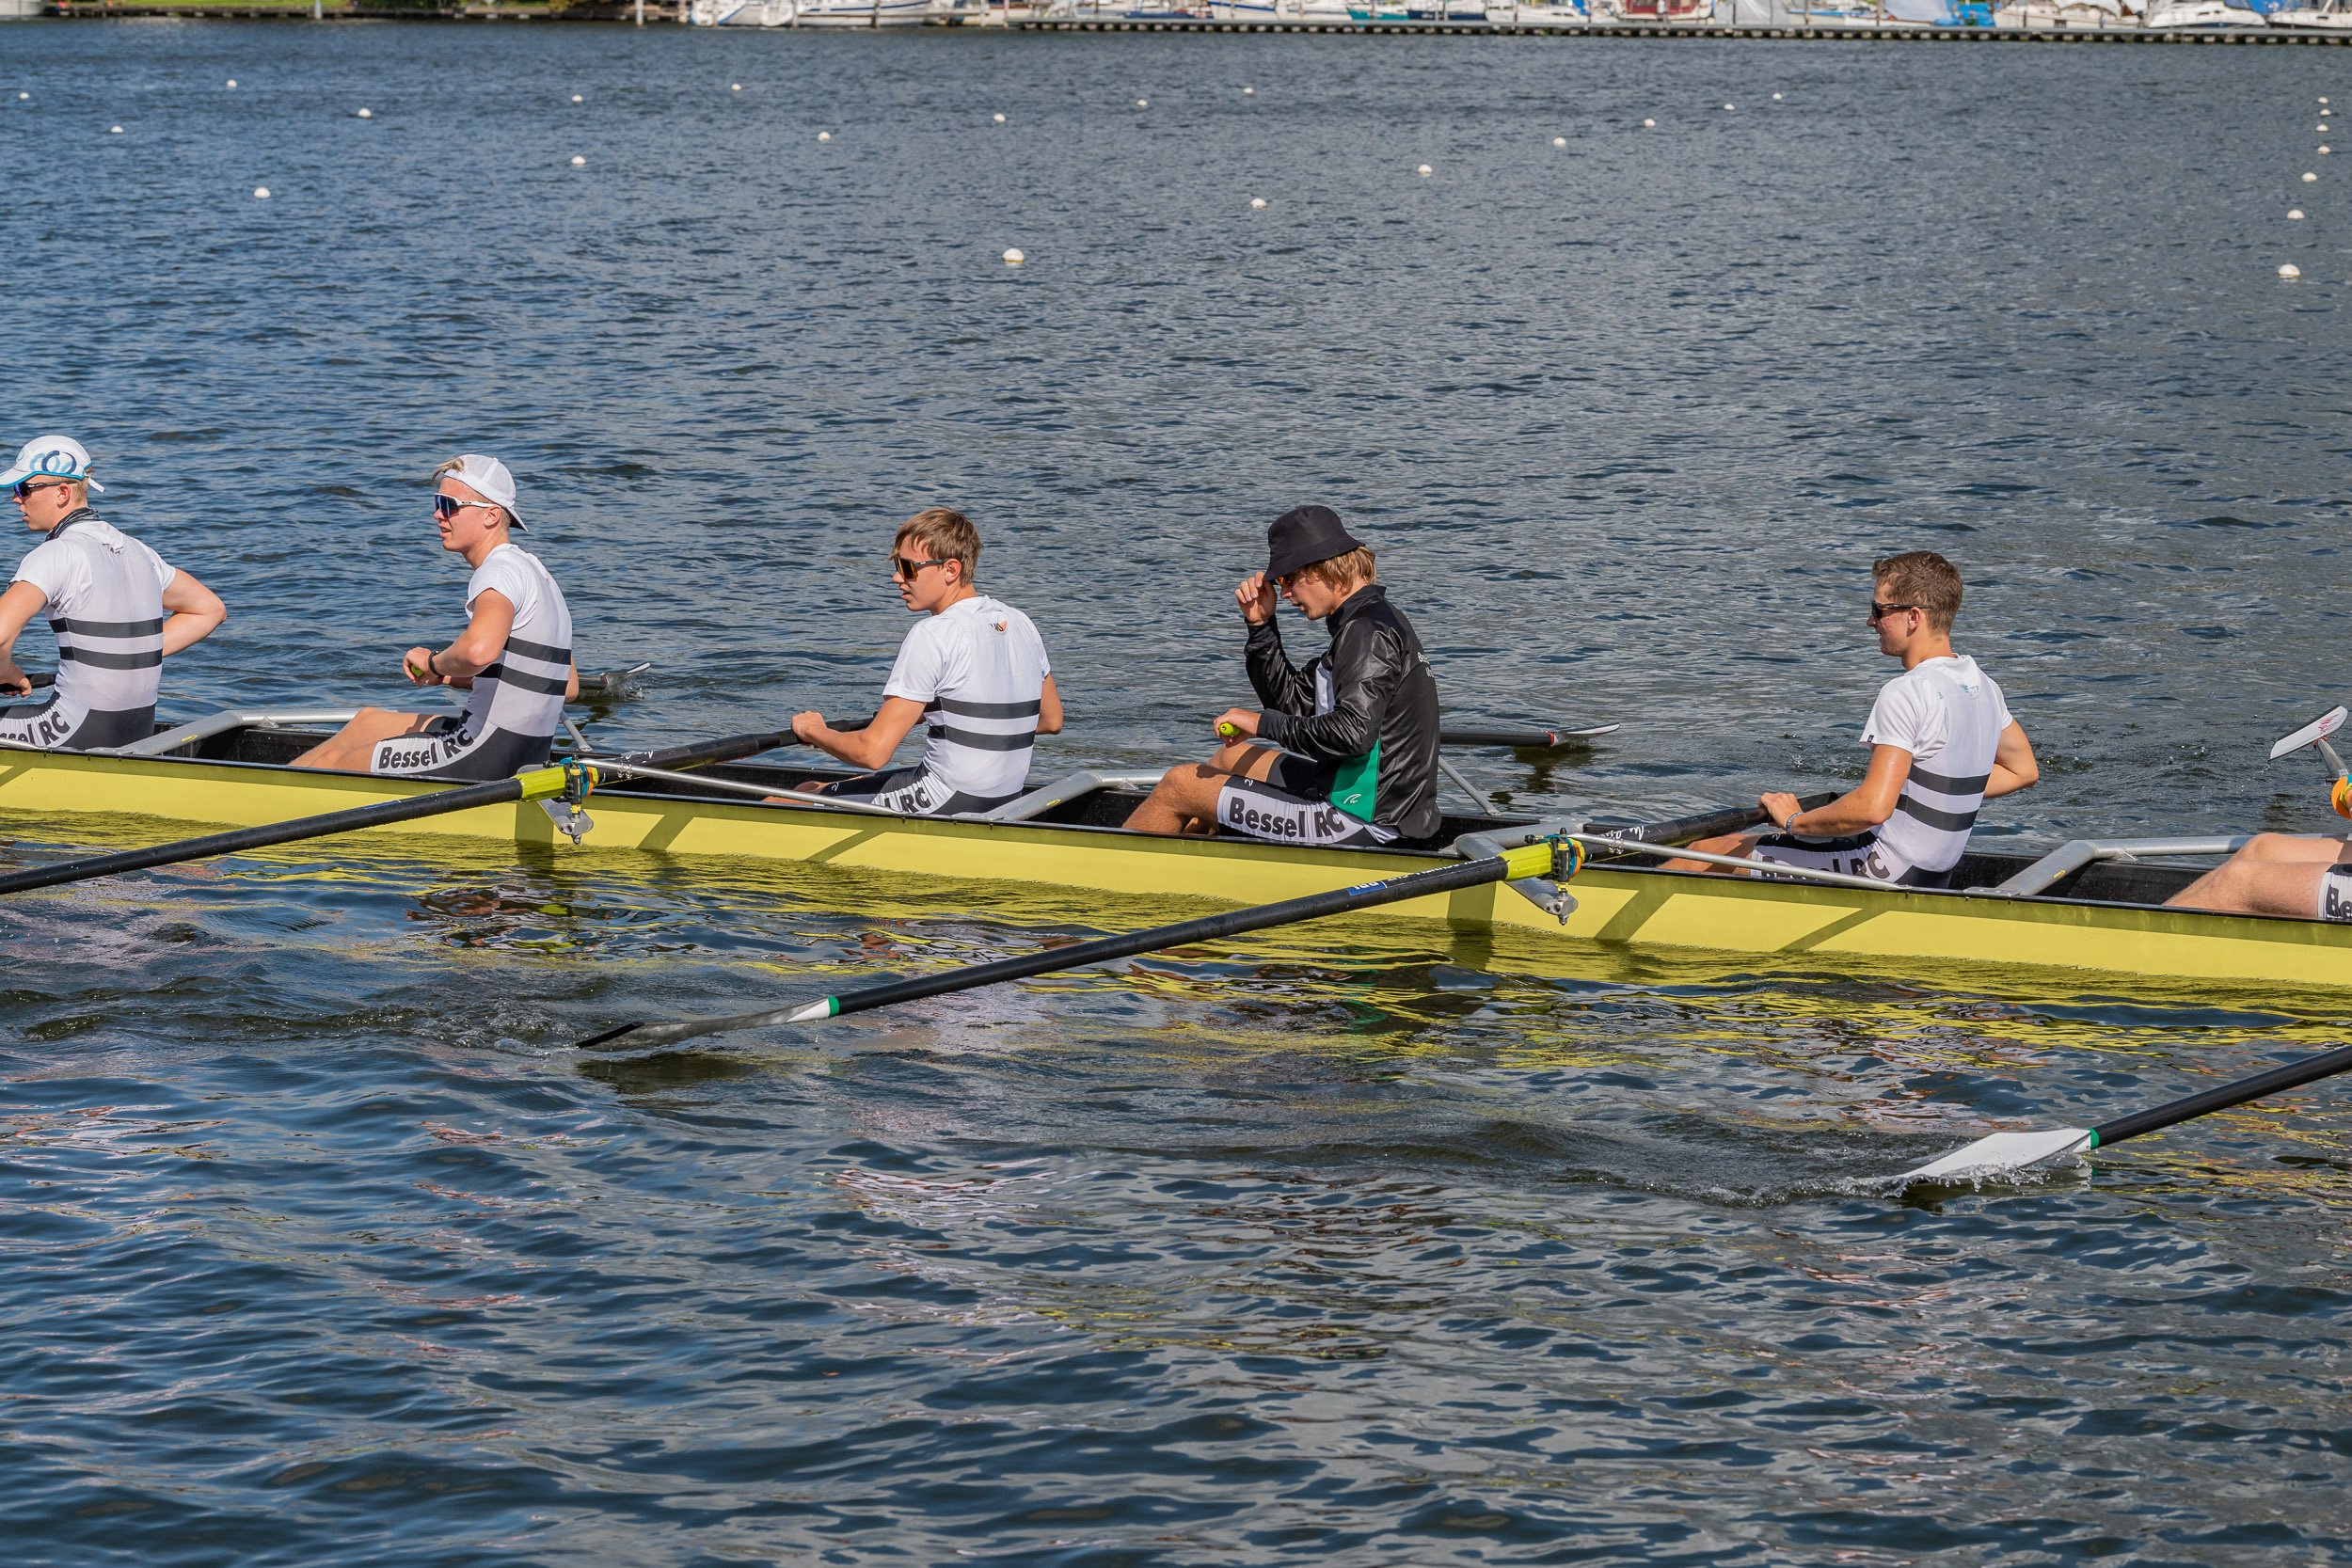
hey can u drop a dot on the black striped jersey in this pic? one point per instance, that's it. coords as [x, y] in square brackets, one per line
[1949, 715]
[106, 604]
[979, 668]
[519, 700]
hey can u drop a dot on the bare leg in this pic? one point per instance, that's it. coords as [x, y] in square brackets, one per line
[1742, 845]
[356, 742]
[1185, 802]
[2276, 874]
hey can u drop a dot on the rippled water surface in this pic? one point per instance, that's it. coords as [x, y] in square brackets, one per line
[1358, 1245]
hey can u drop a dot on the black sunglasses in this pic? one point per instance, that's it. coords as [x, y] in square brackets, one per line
[907, 570]
[1881, 612]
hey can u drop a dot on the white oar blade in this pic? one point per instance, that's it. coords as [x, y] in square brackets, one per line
[2002, 1155]
[2318, 729]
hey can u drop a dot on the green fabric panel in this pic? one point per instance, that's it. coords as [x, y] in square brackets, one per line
[1356, 785]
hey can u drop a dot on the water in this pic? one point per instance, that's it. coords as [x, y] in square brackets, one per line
[1362, 1245]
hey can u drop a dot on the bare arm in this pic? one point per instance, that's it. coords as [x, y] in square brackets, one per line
[2013, 766]
[196, 612]
[868, 748]
[20, 604]
[1049, 709]
[1860, 809]
[476, 649]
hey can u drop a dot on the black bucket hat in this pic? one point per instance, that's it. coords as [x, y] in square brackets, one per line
[1302, 536]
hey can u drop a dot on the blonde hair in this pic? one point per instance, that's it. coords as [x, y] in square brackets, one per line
[946, 534]
[1358, 566]
[451, 466]
[1924, 578]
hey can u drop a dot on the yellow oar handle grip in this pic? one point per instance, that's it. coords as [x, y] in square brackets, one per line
[1229, 731]
[2340, 797]
[1532, 860]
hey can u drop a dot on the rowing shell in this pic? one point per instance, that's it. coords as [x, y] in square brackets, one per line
[2107, 919]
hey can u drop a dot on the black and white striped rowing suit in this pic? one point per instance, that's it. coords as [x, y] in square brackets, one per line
[517, 704]
[1949, 715]
[979, 668]
[107, 606]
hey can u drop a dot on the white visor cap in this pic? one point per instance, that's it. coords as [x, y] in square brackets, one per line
[51, 457]
[487, 477]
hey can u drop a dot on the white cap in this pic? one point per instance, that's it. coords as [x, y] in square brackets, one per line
[487, 477]
[52, 457]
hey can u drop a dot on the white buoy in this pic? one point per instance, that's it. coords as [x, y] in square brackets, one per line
[999, 119]
[2323, 146]
[1013, 257]
[1423, 169]
[2290, 270]
[735, 86]
[2294, 214]
[1246, 91]
[260, 193]
[2321, 127]
[1776, 97]
[1559, 141]
[233, 81]
[576, 98]
[1144, 102]
[25, 95]
[1256, 202]
[824, 136]
[365, 114]
[1649, 124]
[2323, 100]
[114, 130]
[580, 161]
[1727, 108]
[2308, 176]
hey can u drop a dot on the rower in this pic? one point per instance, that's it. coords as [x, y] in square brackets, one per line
[117, 608]
[514, 659]
[2280, 874]
[1942, 743]
[1351, 740]
[973, 667]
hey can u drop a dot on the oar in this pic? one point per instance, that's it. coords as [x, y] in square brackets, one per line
[1534, 860]
[610, 683]
[536, 784]
[1534, 740]
[2007, 1153]
[46, 677]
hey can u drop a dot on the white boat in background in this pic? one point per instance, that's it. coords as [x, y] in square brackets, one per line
[2326, 16]
[2211, 15]
[819, 13]
[2040, 14]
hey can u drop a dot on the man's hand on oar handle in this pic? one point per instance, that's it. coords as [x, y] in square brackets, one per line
[1237, 723]
[15, 681]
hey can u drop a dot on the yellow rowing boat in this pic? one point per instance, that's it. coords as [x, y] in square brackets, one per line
[2091, 910]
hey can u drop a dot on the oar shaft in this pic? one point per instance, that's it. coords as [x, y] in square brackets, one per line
[2294, 1075]
[1712, 824]
[1315, 906]
[383, 814]
[1530, 861]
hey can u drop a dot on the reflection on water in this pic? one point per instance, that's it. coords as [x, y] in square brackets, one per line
[1358, 1243]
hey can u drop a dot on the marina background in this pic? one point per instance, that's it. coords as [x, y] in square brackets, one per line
[1336, 1246]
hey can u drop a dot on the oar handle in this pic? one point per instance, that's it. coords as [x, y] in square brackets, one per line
[1540, 741]
[2292, 1075]
[1712, 824]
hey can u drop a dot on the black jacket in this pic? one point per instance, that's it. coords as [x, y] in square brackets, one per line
[1366, 711]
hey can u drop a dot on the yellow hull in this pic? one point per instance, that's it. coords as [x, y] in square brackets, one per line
[1618, 909]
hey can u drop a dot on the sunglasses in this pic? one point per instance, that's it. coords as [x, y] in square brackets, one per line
[449, 506]
[1881, 612]
[907, 570]
[25, 487]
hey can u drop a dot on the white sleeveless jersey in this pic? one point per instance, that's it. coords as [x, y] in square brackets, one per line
[517, 704]
[107, 607]
[979, 668]
[1949, 715]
